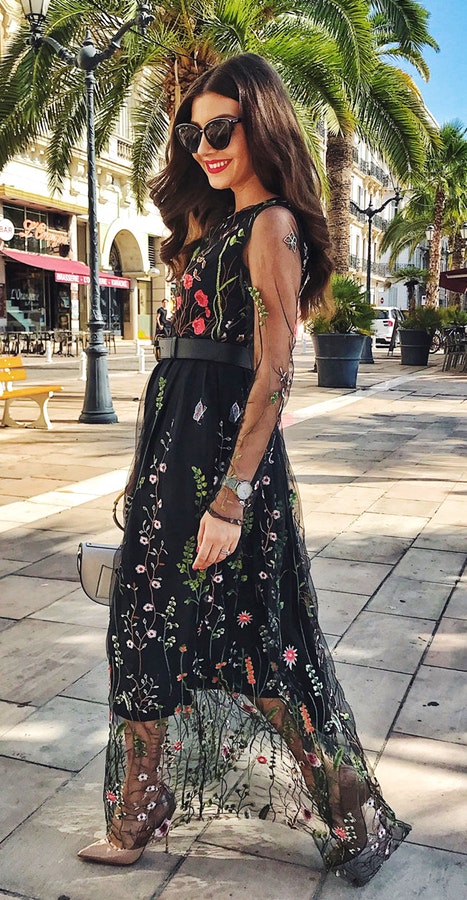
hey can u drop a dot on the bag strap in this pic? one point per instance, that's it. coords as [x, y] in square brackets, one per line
[115, 510]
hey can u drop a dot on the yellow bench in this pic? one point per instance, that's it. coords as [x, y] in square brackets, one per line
[12, 369]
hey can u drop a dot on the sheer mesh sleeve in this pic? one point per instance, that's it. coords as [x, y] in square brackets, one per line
[273, 259]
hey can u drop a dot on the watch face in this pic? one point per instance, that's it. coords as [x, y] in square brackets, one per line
[244, 490]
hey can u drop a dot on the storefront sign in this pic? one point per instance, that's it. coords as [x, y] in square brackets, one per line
[7, 230]
[72, 279]
[112, 281]
[40, 232]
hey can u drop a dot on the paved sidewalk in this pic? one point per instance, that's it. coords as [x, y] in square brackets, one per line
[382, 473]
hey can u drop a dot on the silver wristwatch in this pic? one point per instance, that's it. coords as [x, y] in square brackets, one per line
[243, 489]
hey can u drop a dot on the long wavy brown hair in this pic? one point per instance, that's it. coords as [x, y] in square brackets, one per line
[189, 206]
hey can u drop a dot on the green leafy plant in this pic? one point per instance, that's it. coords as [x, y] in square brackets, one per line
[424, 318]
[452, 315]
[352, 314]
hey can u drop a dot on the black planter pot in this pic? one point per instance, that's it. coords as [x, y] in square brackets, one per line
[337, 358]
[415, 346]
[367, 351]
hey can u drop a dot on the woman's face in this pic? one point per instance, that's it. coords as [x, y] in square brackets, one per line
[232, 167]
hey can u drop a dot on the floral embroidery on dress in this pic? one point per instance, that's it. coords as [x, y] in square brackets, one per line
[203, 649]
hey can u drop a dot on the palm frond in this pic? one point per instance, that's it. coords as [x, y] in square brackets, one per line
[408, 20]
[150, 126]
[394, 122]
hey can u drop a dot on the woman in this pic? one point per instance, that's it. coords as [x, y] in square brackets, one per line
[214, 644]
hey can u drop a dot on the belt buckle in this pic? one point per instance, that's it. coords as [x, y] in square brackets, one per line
[169, 347]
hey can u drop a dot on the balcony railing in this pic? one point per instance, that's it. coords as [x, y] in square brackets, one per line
[378, 221]
[370, 168]
[123, 149]
[379, 173]
[355, 262]
[378, 268]
[356, 212]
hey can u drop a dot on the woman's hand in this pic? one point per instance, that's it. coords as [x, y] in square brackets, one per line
[216, 541]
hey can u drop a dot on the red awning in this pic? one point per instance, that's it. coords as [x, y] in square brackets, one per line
[66, 270]
[454, 280]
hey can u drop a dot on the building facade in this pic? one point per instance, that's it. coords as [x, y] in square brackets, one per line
[43, 261]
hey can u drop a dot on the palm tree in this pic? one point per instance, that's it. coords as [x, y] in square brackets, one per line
[388, 111]
[411, 276]
[310, 42]
[439, 199]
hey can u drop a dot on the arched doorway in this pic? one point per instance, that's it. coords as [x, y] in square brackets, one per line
[115, 302]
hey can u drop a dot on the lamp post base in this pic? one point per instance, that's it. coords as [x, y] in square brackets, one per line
[97, 408]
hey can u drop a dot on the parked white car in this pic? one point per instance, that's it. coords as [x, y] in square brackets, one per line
[386, 318]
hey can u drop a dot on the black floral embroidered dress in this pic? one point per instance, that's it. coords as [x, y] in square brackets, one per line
[199, 647]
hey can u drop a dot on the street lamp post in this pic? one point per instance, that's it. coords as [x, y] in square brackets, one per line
[97, 407]
[370, 213]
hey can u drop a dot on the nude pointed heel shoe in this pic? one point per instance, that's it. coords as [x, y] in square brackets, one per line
[152, 822]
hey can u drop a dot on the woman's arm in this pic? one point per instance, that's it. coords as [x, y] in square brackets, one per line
[273, 259]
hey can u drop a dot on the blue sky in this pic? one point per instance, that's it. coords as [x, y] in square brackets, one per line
[446, 92]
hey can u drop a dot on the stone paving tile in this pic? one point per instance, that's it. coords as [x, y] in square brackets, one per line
[451, 512]
[425, 782]
[412, 873]
[25, 511]
[320, 529]
[409, 597]
[75, 609]
[77, 521]
[264, 839]
[94, 686]
[388, 642]
[449, 646]
[442, 537]
[48, 657]
[368, 548]
[63, 734]
[374, 698]
[431, 565]
[213, 872]
[9, 566]
[31, 544]
[11, 714]
[22, 596]
[72, 818]
[397, 507]
[394, 526]
[21, 487]
[357, 577]
[57, 566]
[436, 706]
[357, 498]
[457, 606]
[24, 789]
[6, 623]
[338, 609]
[420, 490]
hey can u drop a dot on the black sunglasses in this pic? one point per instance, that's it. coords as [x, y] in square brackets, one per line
[217, 132]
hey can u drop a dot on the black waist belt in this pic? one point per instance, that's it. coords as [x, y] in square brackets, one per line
[212, 351]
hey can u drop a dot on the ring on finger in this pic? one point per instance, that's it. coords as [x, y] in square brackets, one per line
[224, 552]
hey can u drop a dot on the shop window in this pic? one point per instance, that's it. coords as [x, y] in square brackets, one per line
[38, 231]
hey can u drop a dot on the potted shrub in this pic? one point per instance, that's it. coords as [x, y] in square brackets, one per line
[416, 334]
[338, 337]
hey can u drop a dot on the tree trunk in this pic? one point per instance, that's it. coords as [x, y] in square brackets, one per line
[182, 71]
[434, 267]
[457, 251]
[410, 285]
[339, 161]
